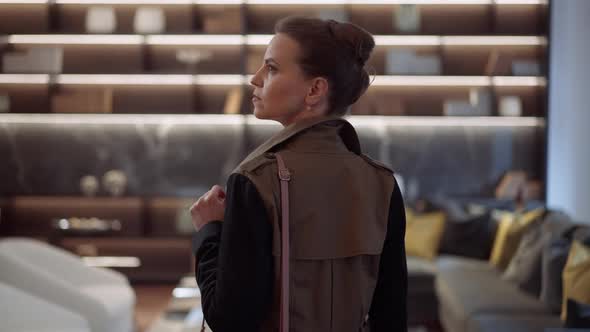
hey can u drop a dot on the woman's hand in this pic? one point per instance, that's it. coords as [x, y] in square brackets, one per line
[210, 207]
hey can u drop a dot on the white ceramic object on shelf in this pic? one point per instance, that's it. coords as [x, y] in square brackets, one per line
[510, 106]
[48, 60]
[407, 18]
[4, 103]
[114, 182]
[339, 15]
[192, 57]
[101, 19]
[149, 20]
[89, 185]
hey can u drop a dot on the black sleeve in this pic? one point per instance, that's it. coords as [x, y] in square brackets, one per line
[234, 261]
[389, 307]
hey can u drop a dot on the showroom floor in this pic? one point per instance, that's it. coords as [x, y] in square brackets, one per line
[152, 300]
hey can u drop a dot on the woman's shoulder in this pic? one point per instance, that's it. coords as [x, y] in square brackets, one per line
[255, 163]
[379, 165]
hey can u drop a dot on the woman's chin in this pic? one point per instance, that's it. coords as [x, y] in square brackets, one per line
[259, 114]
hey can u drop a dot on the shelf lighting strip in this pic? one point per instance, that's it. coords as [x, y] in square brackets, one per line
[163, 79]
[395, 2]
[76, 39]
[263, 40]
[112, 261]
[222, 40]
[440, 121]
[164, 119]
[76, 79]
[280, 2]
[149, 2]
[236, 120]
[33, 79]
[450, 81]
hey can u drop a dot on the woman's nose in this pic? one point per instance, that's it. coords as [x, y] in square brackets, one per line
[255, 80]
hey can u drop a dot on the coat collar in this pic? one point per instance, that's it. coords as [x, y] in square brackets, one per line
[347, 134]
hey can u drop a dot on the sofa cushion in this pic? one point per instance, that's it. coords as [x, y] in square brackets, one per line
[512, 323]
[554, 258]
[576, 276]
[466, 287]
[525, 267]
[423, 233]
[469, 235]
[511, 229]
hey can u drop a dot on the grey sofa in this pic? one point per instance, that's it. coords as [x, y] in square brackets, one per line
[468, 295]
[473, 297]
[422, 300]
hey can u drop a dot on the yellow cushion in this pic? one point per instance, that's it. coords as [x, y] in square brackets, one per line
[511, 228]
[576, 276]
[423, 233]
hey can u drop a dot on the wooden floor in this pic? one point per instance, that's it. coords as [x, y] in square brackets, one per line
[151, 301]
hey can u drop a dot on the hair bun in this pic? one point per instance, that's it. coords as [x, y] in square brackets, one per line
[356, 39]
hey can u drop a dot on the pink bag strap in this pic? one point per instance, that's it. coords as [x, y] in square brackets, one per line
[285, 177]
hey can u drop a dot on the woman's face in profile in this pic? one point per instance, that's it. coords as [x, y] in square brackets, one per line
[279, 84]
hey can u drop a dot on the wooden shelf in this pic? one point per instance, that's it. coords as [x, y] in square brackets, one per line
[239, 120]
[476, 17]
[134, 80]
[288, 2]
[476, 42]
[263, 40]
[235, 80]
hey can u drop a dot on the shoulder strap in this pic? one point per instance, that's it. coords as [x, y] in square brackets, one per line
[285, 177]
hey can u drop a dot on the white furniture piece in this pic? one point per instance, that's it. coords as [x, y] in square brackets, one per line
[23, 312]
[103, 297]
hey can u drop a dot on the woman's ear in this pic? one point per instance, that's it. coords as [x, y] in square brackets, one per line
[318, 91]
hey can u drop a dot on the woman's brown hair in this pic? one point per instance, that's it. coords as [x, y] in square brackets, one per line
[333, 50]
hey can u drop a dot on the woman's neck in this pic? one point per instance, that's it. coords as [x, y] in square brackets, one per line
[303, 115]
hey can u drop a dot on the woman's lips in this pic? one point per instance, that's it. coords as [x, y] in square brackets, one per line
[255, 99]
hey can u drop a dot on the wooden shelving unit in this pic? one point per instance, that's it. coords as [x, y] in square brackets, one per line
[475, 40]
[148, 80]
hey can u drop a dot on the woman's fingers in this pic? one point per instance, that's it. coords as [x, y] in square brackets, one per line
[217, 191]
[209, 207]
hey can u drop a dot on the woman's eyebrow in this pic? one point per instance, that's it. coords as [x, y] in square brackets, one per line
[266, 61]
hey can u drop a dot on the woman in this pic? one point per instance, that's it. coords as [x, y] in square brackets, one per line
[347, 223]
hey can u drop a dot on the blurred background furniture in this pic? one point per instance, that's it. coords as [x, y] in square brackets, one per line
[102, 297]
[23, 312]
